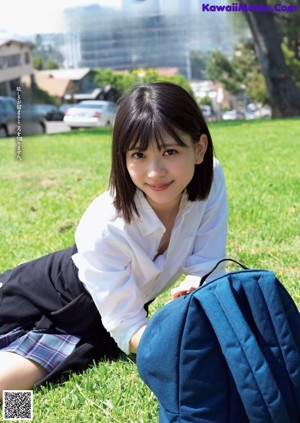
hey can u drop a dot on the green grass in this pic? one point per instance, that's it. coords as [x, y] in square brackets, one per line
[44, 195]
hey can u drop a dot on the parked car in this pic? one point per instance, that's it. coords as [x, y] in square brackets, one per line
[64, 107]
[8, 122]
[49, 111]
[233, 115]
[91, 113]
[30, 121]
[206, 111]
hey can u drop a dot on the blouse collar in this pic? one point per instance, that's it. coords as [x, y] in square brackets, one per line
[148, 220]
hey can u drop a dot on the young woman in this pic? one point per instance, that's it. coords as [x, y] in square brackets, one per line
[165, 214]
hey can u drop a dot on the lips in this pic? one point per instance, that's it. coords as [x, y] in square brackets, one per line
[159, 187]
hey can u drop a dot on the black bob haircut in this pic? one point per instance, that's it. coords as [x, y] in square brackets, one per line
[148, 113]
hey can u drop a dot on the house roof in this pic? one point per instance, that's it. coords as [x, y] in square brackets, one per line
[7, 43]
[160, 71]
[167, 71]
[90, 95]
[66, 74]
[55, 87]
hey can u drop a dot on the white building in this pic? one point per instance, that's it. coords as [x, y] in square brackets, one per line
[15, 62]
[160, 6]
[141, 7]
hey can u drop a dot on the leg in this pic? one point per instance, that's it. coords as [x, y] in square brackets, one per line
[17, 372]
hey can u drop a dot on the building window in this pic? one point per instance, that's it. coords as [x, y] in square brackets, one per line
[3, 89]
[10, 61]
[27, 58]
[14, 83]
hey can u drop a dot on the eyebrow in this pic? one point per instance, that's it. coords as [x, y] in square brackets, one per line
[137, 148]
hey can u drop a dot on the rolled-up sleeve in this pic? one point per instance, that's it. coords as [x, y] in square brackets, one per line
[210, 242]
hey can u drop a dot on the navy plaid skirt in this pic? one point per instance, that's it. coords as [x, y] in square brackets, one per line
[48, 350]
[46, 315]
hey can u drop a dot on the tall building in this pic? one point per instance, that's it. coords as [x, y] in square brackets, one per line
[119, 40]
[138, 7]
[145, 33]
[160, 6]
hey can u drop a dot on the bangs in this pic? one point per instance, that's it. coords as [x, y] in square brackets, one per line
[156, 115]
[144, 132]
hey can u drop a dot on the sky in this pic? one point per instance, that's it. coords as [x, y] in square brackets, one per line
[38, 16]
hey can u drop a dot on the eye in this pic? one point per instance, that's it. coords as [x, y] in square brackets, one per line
[170, 152]
[138, 155]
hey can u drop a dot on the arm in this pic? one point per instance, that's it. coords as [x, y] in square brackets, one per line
[210, 241]
[104, 260]
[115, 293]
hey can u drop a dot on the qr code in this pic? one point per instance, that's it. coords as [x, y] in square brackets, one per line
[17, 405]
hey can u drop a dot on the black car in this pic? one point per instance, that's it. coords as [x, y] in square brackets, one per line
[49, 111]
[29, 122]
[8, 117]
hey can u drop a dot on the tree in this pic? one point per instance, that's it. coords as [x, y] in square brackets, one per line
[283, 94]
[37, 95]
[292, 63]
[122, 82]
[37, 62]
[219, 68]
[198, 64]
[51, 64]
[118, 81]
[45, 56]
[248, 72]
[240, 75]
[288, 25]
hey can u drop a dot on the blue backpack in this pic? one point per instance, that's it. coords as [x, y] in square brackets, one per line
[227, 352]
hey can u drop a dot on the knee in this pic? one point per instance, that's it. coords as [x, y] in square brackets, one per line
[9, 380]
[17, 372]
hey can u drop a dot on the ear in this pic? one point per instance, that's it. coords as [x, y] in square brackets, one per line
[200, 149]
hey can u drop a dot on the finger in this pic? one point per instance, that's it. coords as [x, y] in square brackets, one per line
[177, 292]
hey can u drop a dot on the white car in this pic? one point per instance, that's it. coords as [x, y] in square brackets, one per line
[233, 115]
[90, 113]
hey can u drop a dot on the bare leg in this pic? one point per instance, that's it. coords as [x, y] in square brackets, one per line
[17, 372]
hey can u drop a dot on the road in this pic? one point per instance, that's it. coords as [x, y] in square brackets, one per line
[55, 127]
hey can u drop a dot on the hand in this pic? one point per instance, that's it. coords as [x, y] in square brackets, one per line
[135, 340]
[189, 284]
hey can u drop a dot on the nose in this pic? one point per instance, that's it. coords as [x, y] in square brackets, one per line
[156, 168]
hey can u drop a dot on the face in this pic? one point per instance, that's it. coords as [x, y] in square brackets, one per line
[164, 174]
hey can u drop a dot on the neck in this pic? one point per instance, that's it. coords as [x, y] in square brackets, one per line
[167, 213]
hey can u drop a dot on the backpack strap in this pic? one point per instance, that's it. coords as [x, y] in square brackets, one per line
[203, 279]
[255, 383]
[278, 324]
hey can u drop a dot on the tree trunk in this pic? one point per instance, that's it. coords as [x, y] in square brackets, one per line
[284, 96]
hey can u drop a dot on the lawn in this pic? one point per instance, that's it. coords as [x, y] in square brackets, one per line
[44, 195]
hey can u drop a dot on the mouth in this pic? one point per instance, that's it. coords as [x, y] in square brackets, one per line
[159, 187]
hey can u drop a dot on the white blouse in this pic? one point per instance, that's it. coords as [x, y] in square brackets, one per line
[116, 260]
